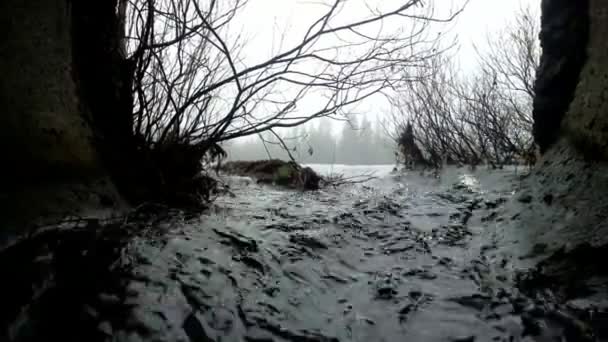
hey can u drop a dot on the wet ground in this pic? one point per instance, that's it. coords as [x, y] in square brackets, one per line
[399, 258]
[388, 260]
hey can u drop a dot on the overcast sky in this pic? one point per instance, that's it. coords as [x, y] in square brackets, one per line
[266, 24]
[482, 17]
[264, 21]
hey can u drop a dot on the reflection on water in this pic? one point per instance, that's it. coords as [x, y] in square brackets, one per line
[469, 181]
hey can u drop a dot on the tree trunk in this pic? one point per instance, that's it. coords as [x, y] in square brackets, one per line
[65, 125]
[104, 77]
[65, 90]
[44, 130]
[564, 36]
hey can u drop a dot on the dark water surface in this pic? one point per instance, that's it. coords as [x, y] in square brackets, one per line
[398, 258]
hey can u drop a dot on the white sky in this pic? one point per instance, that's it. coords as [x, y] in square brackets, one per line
[483, 17]
[263, 22]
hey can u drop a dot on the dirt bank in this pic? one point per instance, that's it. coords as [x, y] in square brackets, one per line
[276, 172]
[559, 234]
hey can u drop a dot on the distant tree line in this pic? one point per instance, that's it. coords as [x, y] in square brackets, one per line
[358, 142]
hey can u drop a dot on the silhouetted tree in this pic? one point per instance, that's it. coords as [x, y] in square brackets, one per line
[408, 149]
[192, 87]
[484, 117]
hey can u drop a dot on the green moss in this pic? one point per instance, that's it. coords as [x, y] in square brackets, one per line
[284, 175]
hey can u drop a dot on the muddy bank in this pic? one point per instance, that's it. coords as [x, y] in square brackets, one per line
[563, 209]
[68, 280]
[55, 277]
[552, 237]
[23, 208]
[559, 232]
[275, 172]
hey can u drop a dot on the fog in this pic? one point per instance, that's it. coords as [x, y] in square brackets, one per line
[364, 138]
[358, 142]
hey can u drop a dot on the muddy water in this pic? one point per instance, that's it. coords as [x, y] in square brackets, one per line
[398, 258]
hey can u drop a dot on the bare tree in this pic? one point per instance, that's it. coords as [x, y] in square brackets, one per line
[511, 60]
[482, 117]
[192, 85]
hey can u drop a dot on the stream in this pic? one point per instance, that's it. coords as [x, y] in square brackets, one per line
[397, 258]
[401, 257]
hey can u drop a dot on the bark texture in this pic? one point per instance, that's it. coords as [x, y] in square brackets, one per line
[564, 39]
[585, 125]
[63, 109]
[44, 133]
[103, 76]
